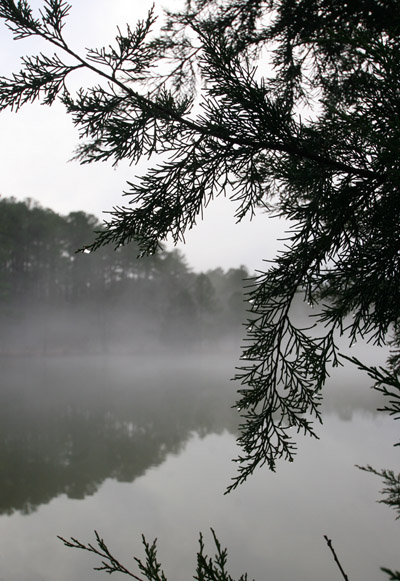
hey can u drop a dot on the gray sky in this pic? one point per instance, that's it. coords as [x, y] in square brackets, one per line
[36, 144]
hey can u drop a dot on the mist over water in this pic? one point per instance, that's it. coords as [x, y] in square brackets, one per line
[70, 423]
[143, 444]
[117, 413]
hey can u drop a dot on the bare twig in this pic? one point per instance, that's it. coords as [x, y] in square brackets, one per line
[329, 543]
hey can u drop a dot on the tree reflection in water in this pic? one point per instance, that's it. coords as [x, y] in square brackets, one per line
[67, 425]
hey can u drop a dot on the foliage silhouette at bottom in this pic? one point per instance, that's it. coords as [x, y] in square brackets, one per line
[207, 569]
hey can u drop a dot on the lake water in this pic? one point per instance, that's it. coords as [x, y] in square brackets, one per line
[130, 445]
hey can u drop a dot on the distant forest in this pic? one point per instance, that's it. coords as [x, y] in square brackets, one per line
[54, 300]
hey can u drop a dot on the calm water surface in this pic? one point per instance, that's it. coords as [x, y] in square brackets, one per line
[129, 446]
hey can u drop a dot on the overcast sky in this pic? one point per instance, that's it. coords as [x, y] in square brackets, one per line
[36, 144]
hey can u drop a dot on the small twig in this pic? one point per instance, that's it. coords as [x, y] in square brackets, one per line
[329, 543]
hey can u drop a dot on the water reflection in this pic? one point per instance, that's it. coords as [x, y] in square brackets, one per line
[66, 425]
[144, 446]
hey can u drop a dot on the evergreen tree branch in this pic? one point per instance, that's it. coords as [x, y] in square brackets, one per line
[393, 575]
[159, 110]
[391, 490]
[386, 382]
[207, 569]
[335, 176]
[109, 563]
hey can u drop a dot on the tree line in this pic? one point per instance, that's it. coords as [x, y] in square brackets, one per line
[54, 299]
